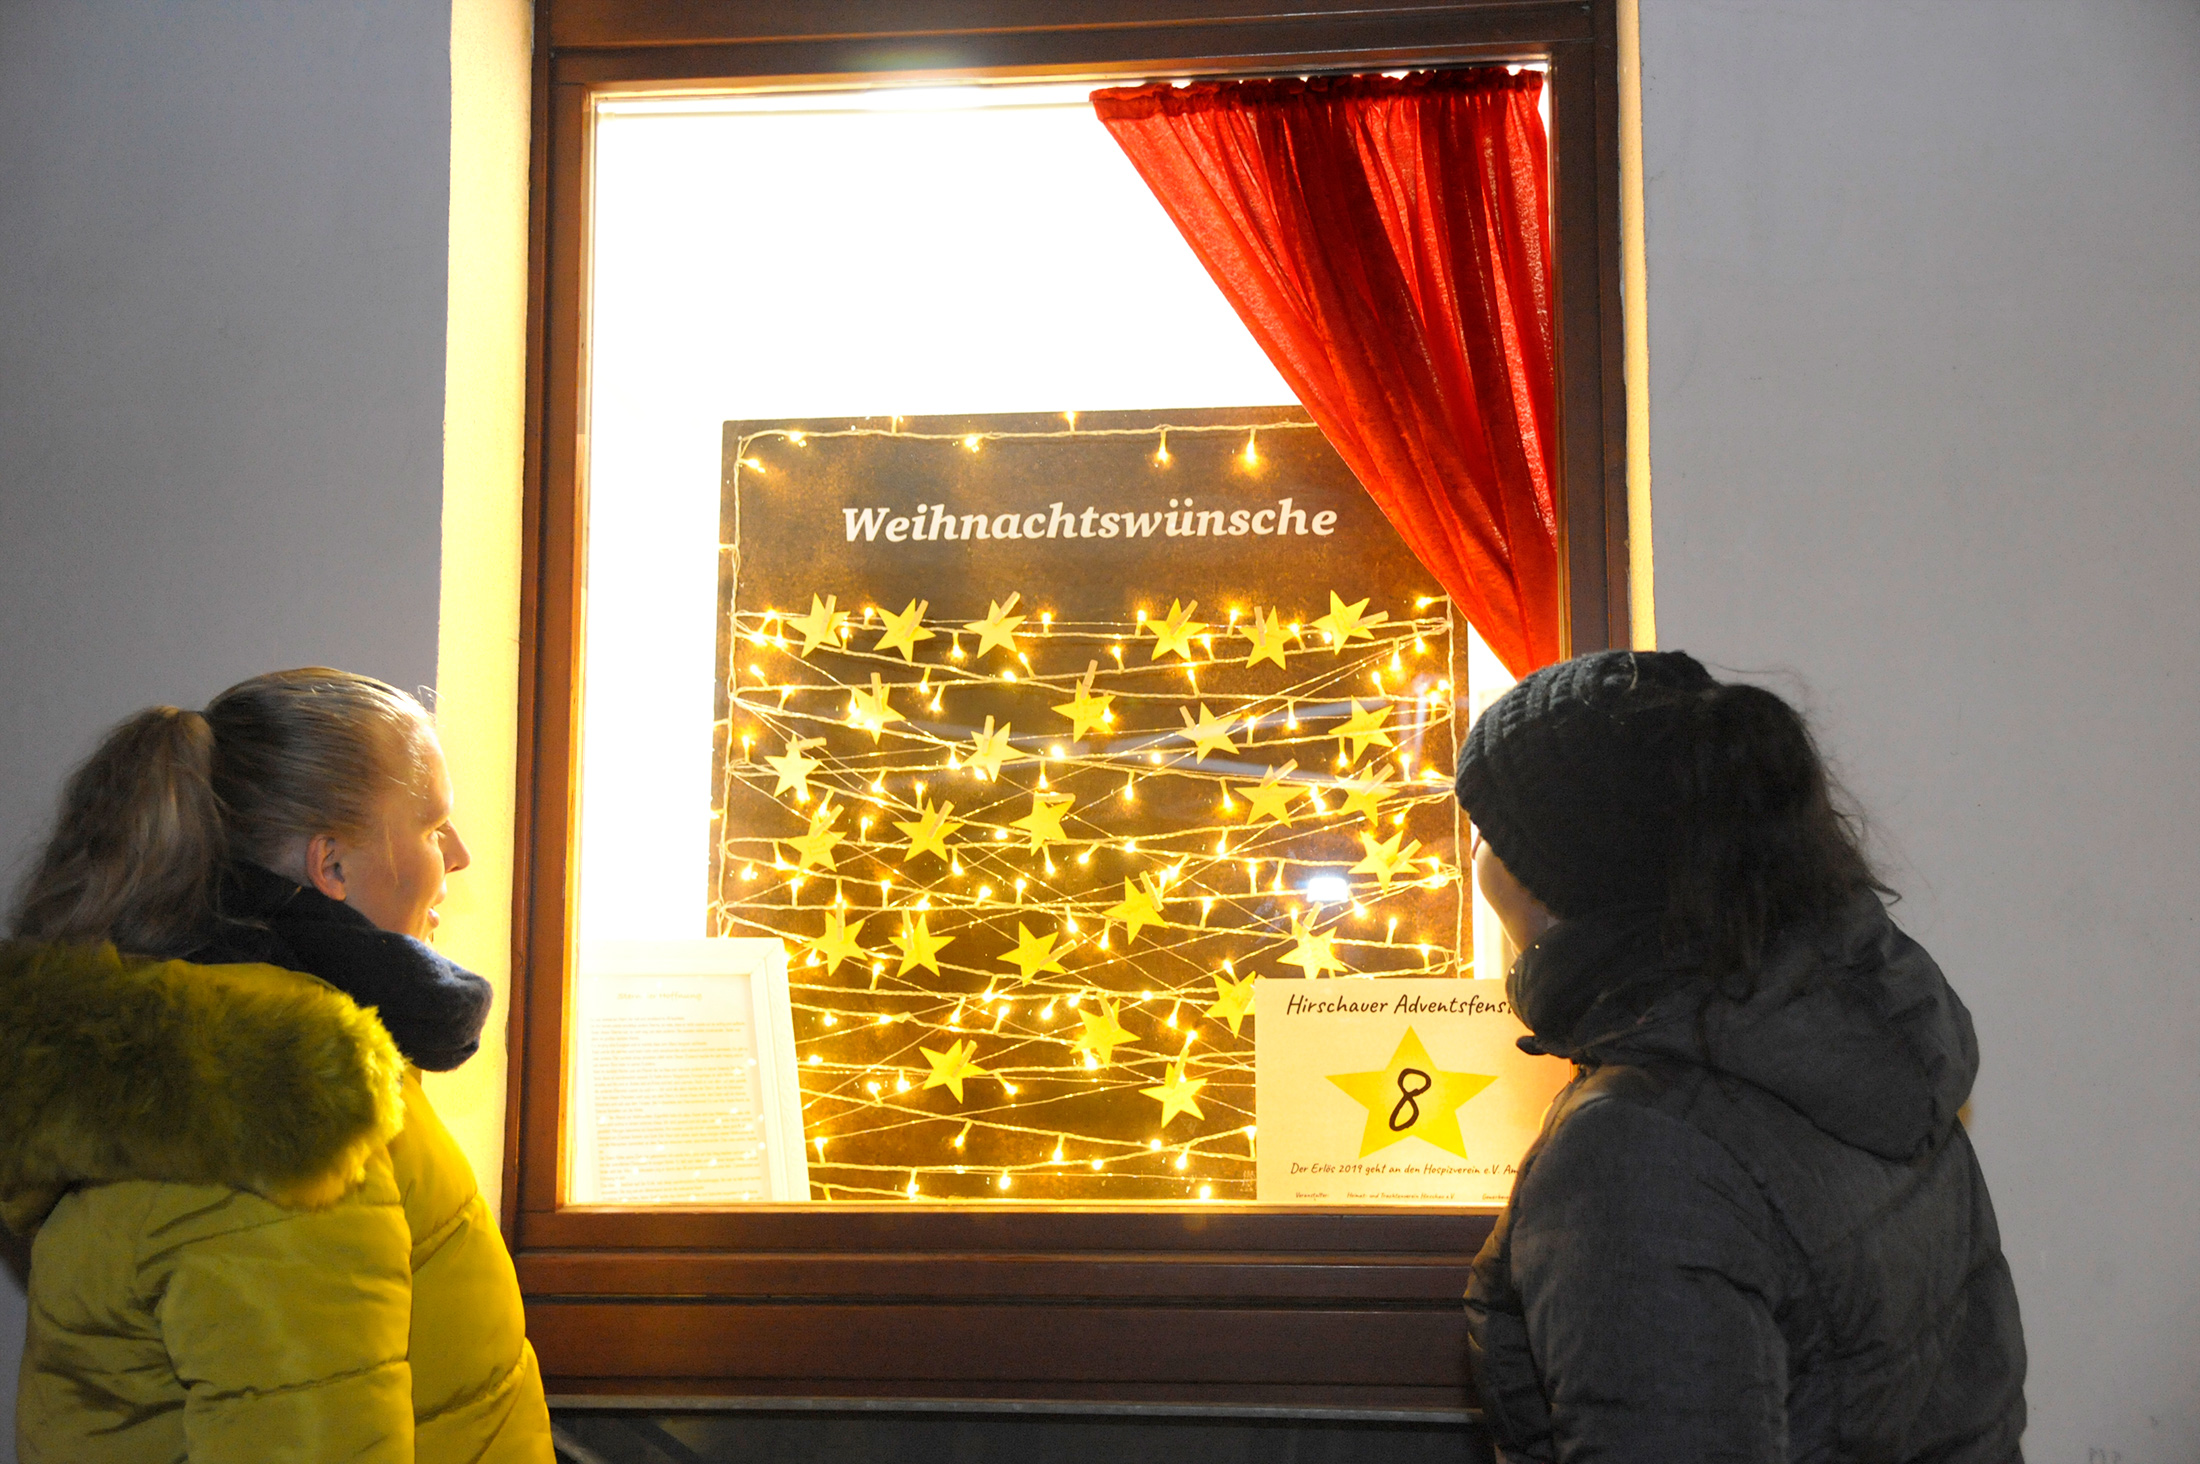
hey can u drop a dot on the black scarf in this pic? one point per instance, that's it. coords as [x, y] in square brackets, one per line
[1591, 976]
[432, 1008]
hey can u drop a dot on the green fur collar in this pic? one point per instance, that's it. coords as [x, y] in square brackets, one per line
[115, 1068]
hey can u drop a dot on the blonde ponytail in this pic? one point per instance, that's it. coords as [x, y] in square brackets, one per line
[139, 843]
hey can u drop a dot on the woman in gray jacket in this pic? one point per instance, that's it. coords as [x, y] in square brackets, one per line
[1753, 1228]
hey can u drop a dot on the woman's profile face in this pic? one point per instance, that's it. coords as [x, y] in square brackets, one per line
[393, 872]
[1522, 914]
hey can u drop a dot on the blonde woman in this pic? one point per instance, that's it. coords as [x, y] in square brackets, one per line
[253, 1237]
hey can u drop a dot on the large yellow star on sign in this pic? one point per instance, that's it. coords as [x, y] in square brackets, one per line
[1044, 822]
[903, 631]
[823, 626]
[837, 942]
[989, 749]
[1365, 726]
[794, 767]
[1176, 632]
[1209, 735]
[816, 846]
[999, 627]
[1177, 1094]
[1268, 637]
[949, 1068]
[1385, 860]
[1409, 1097]
[1343, 622]
[1103, 1034]
[1140, 907]
[1233, 1001]
[919, 946]
[1034, 953]
[928, 831]
[1311, 953]
[868, 711]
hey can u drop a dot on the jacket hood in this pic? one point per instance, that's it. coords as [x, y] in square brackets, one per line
[1849, 1022]
[115, 1068]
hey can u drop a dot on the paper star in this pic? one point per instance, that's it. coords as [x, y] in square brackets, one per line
[1384, 858]
[919, 946]
[1141, 907]
[988, 750]
[823, 626]
[1272, 799]
[1410, 1097]
[816, 846]
[1044, 822]
[1314, 954]
[1365, 726]
[903, 631]
[1362, 797]
[1208, 735]
[869, 711]
[1033, 953]
[999, 627]
[1233, 1001]
[794, 768]
[1087, 710]
[1178, 1094]
[1343, 621]
[949, 1068]
[838, 942]
[928, 831]
[1176, 632]
[1103, 1034]
[1268, 637]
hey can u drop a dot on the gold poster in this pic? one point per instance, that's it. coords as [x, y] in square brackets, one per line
[1412, 1090]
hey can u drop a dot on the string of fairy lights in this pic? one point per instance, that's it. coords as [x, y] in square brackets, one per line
[1029, 866]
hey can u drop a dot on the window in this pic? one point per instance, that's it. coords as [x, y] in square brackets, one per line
[834, 332]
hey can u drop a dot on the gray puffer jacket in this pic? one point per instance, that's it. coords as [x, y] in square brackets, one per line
[1752, 1229]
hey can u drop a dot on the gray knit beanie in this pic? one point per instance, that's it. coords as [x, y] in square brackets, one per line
[1572, 776]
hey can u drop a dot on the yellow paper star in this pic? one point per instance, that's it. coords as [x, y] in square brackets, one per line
[1103, 1034]
[1208, 735]
[928, 831]
[1343, 621]
[1178, 1094]
[999, 627]
[868, 710]
[1272, 799]
[1087, 709]
[816, 846]
[1176, 632]
[1044, 822]
[1268, 637]
[1385, 860]
[919, 946]
[823, 626]
[1410, 1097]
[794, 768]
[1364, 727]
[1033, 953]
[1233, 1001]
[988, 750]
[903, 631]
[1141, 907]
[1314, 954]
[838, 942]
[949, 1068]
[1362, 797]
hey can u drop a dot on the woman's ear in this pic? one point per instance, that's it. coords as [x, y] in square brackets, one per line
[324, 865]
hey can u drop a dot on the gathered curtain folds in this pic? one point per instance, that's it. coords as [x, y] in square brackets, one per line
[1387, 242]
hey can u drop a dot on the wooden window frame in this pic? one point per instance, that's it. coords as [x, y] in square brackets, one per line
[1295, 1309]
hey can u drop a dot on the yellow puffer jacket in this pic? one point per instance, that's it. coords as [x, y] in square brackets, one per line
[254, 1239]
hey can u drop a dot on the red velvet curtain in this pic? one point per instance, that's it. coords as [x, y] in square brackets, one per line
[1387, 241]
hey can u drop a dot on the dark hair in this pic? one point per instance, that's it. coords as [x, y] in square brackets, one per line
[169, 797]
[1761, 842]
